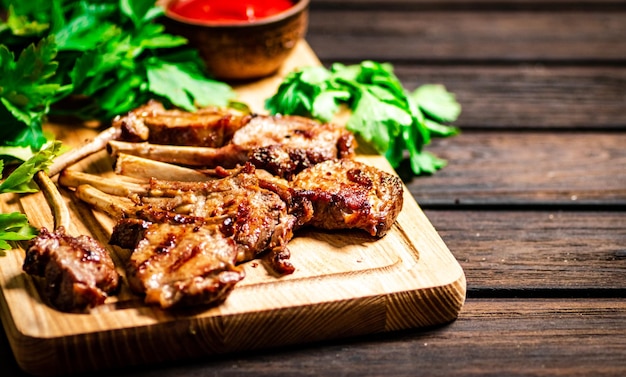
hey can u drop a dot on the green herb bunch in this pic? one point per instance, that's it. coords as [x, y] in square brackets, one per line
[93, 59]
[398, 123]
[14, 226]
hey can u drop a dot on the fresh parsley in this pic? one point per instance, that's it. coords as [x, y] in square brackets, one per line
[92, 59]
[26, 94]
[14, 226]
[383, 113]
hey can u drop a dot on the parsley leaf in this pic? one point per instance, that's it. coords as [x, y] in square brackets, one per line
[21, 179]
[22, 26]
[394, 121]
[26, 93]
[14, 226]
[184, 84]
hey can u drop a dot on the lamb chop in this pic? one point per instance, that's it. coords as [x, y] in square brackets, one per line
[348, 194]
[176, 264]
[207, 127]
[78, 271]
[282, 145]
[259, 219]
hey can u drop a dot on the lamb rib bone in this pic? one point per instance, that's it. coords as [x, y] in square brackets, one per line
[114, 186]
[144, 168]
[97, 144]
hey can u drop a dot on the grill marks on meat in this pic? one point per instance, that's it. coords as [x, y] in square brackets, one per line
[282, 145]
[285, 145]
[188, 237]
[178, 265]
[78, 272]
[207, 127]
[245, 208]
[348, 194]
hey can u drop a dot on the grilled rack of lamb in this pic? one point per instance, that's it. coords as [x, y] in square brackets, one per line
[238, 190]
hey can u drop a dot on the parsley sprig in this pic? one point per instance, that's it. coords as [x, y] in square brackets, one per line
[26, 93]
[14, 226]
[383, 113]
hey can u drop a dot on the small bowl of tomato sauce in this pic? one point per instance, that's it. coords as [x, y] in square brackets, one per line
[239, 39]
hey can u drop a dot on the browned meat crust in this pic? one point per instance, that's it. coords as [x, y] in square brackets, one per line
[78, 271]
[285, 145]
[273, 174]
[349, 194]
[187, 237]
[207, 127]
[282, 145]
[243, 205]
[180, 264]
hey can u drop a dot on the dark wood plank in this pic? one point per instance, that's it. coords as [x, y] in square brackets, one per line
[567, 169]
[473, 4]
[468, 36]
[529, 96]
[552, 253]
[512, 337]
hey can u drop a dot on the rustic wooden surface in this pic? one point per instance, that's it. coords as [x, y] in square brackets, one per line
[540, 233]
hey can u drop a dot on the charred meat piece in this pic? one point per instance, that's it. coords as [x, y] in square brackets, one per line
[258, 218]
[206, 127]
[78, 271]
[282, 145]
[177, 265]
[187, 237]
[349, 194]
[259, 215]
[285, 145]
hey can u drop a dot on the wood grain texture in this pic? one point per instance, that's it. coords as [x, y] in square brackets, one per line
[537, 253]
[449, 35]
[555, 5]
[569, 169]
[500, 337]
[529, 96]
[345, 284]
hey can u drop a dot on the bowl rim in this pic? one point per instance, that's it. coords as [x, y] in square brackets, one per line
[298, 7]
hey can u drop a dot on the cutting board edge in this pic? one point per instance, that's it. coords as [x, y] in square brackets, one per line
[379, 314]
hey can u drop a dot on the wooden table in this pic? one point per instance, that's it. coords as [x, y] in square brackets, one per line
[532, 203]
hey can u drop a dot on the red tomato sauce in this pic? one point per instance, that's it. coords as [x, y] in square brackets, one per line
[228, 10]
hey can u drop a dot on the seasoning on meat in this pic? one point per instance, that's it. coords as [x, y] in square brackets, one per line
[78, 272]
[349, 194]
[176, 265]
[207, 127]
[282, 145]
[207, 226]
[264, 177]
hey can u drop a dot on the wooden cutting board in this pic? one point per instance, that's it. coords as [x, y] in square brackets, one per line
[346, 283]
